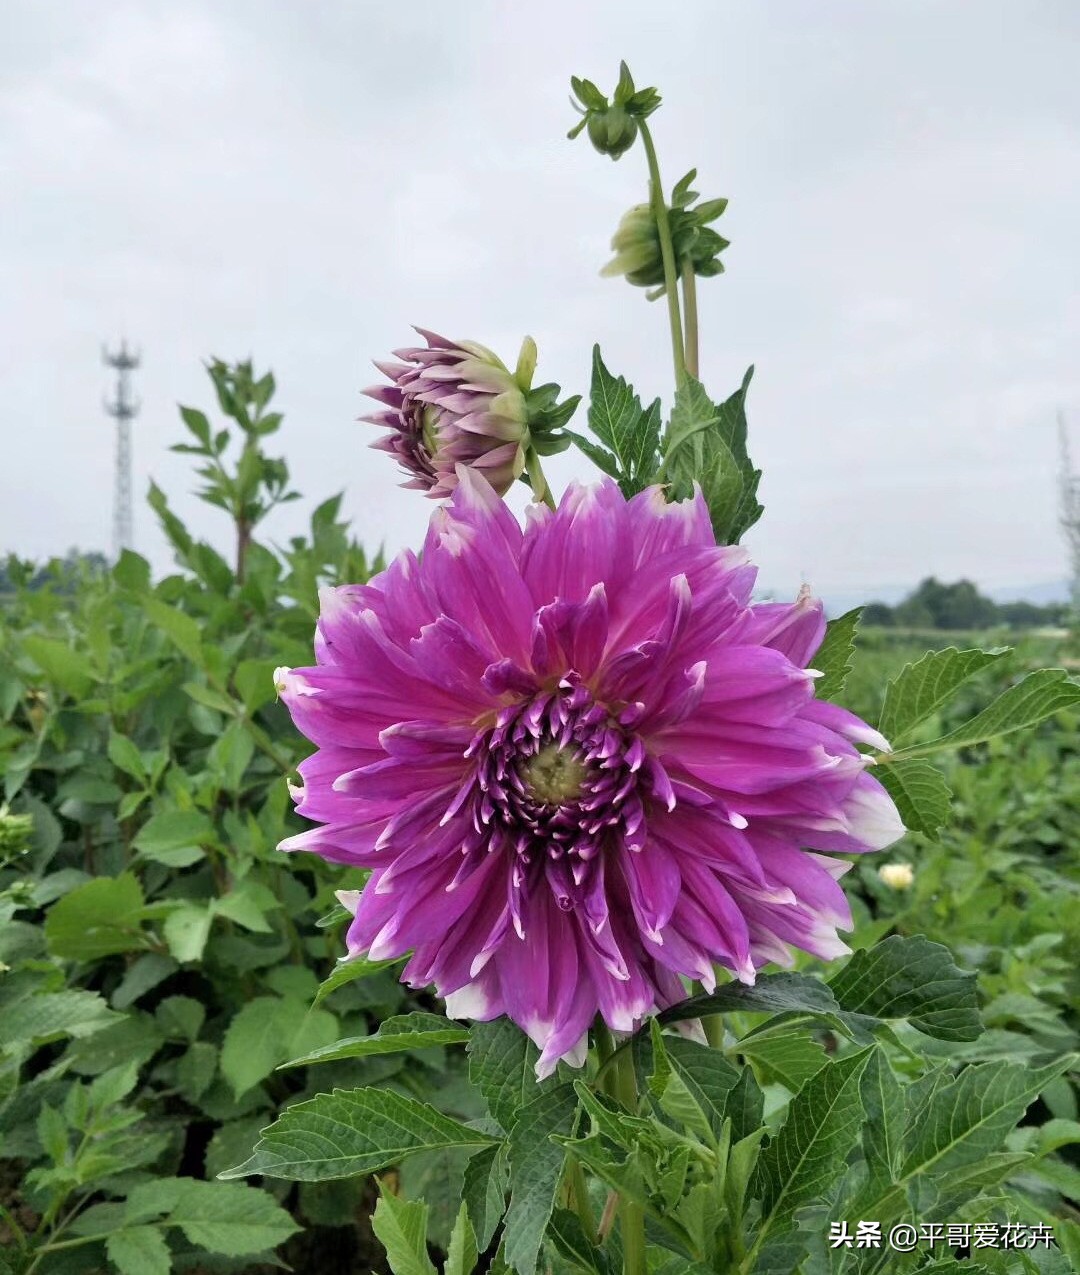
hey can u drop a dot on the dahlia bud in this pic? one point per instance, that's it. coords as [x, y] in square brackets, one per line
[15, 833]
[897, 876]
[456, 403]
[612, 127]
[637, 240]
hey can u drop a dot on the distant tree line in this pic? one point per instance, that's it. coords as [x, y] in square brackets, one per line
[63, 573]
[934, 605]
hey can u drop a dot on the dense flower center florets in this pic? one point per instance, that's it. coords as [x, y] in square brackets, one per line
[556, 776]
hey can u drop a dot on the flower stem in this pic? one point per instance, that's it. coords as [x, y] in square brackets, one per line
[580, 1191]
[689, 283]
[667, 253]
[632, 1214]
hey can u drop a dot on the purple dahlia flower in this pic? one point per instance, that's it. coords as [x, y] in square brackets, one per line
[579, 763]
[454, 403]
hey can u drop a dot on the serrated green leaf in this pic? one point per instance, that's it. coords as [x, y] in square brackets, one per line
[771, 994]
[883, 1129]
[502, 1062]
[705, 442]
[418, 1030]
[536, 1165]
[462, 1255]
[1032, 700]
[233, 1219]
[951, 1124]
[913, 979]
[348, 970]
[339, 1134]
[401, 1227]
[139, 1250]
[920, 689]
[101, 918]
[616, 418]
[571, 1243]
[486, 1182]
[920, 792]
[809, 1152]
[835, 654]
[697, 1087]
[789, 1057]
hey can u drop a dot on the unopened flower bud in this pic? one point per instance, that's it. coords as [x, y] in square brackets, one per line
[637, 240]
[15, 833]
[456, 403]
[897, 876]
[612, 126]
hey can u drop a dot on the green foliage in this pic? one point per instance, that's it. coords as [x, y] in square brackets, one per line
[168, 982]
[833, 659]
[705, 443]
[158, 959]
[630, 435]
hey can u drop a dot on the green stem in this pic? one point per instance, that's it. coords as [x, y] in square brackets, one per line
[11, 1222]
[632, 1214]
[667, 253]
[689, 283]
[580, 1191]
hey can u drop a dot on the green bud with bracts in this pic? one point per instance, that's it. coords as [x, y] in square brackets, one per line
[636, 242]
[612, 126]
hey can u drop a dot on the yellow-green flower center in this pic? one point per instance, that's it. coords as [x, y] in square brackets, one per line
[430, 428]
[554, 775]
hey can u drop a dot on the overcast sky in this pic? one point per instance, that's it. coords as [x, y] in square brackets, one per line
[300, 181]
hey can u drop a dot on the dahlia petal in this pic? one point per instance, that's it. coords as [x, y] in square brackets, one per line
[796, 628]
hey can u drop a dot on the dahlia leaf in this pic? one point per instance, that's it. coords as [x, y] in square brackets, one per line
[771, 994]
[920, 792]
[835, 654]
[536, 1165]
[349, 970]
[912, 979]
[139, 1250]
[235, 1220]
[570, 1241]
[487, 1180]
[351, 1131]
[789, 1057]
[691, 1082]
[401, 1228]
[462, 1255]
[919, 689]
[502, 1063]
[632, 433]
[745, 1107]
[418, 1030]
[1032, 700]
[705, 443]
[809, 1152]
[959, 1123]
[883, 1131]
